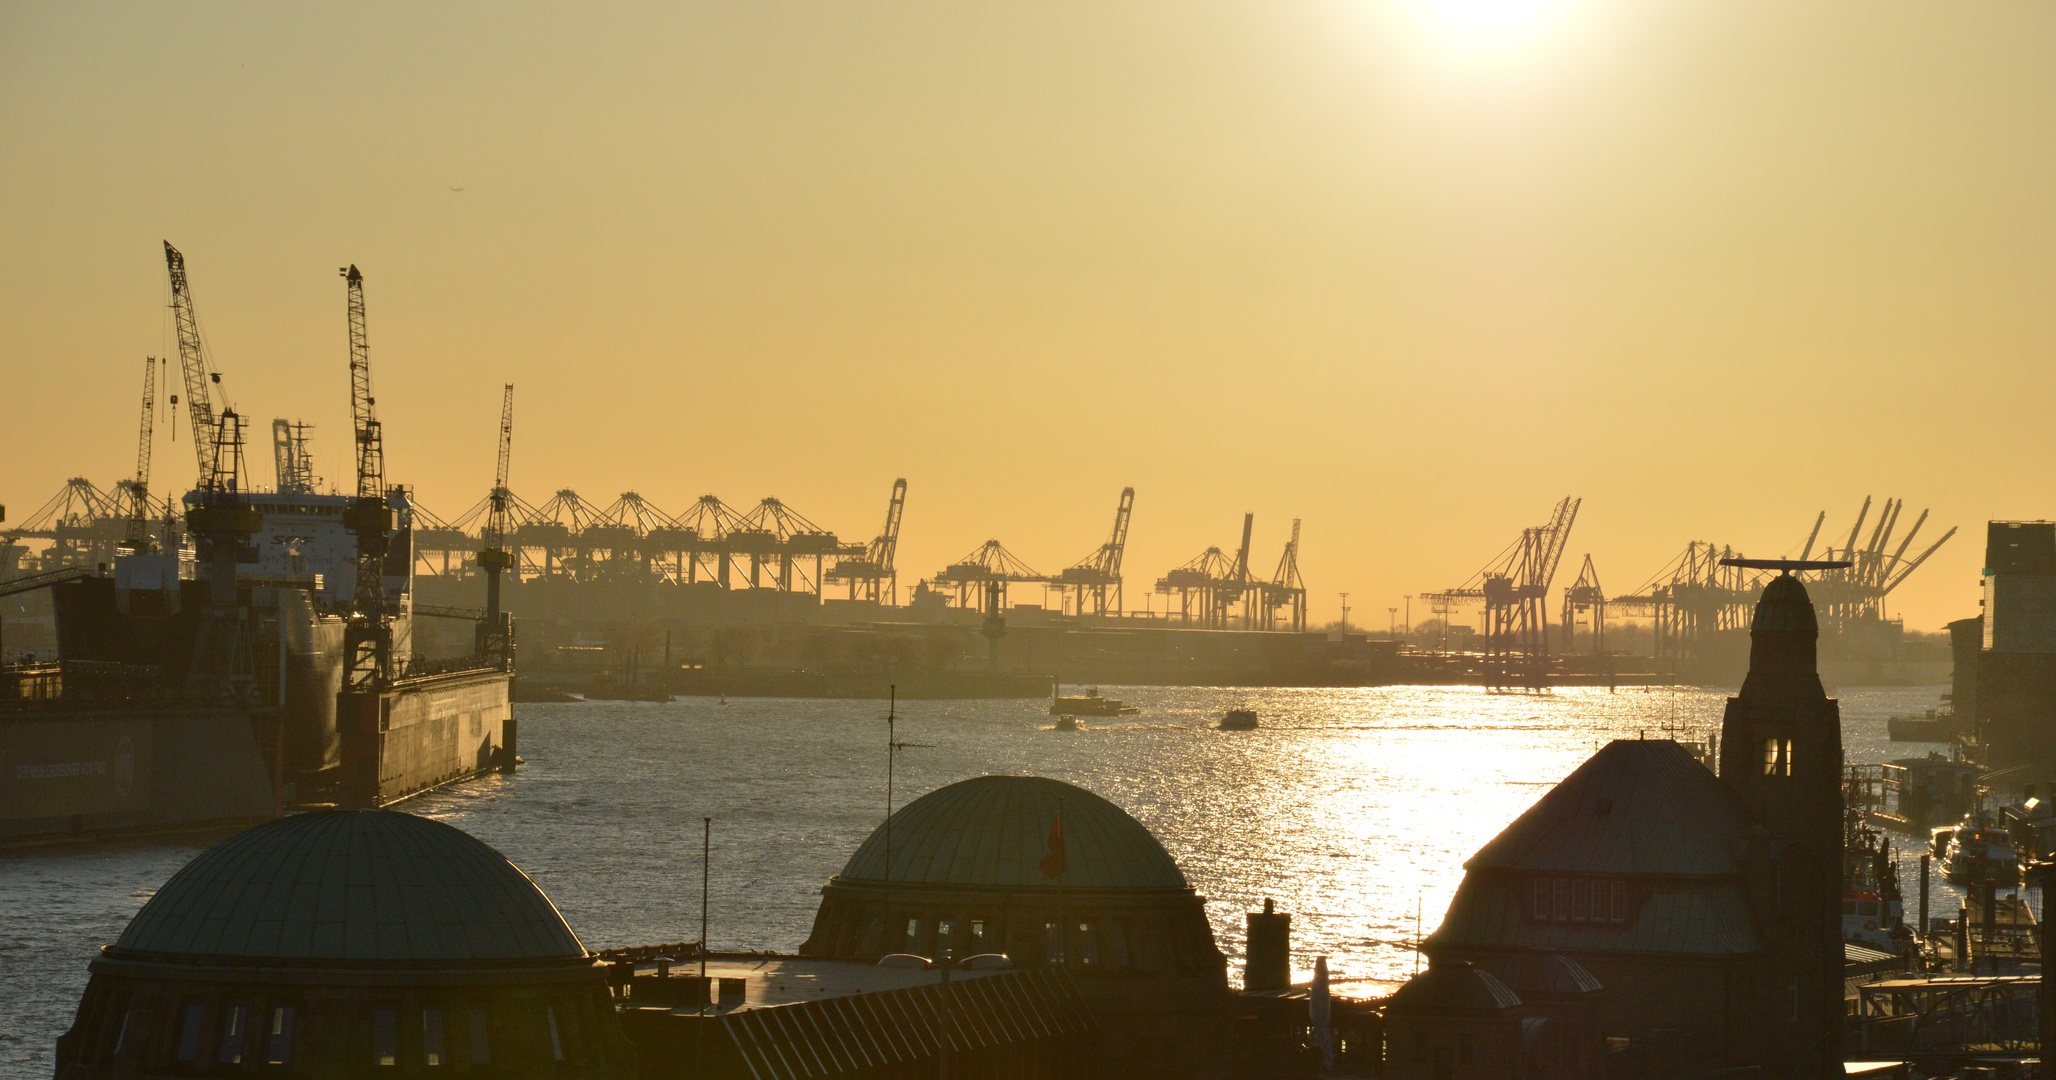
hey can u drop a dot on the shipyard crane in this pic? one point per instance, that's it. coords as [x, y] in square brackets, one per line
[1585, 595]
[1514, 588]
[1236, 588]
[493, 556]
[1090, 578]
[1286, 588]
[1218, 580]
[873, 571]
[139, 486]
[192, 362]
[368, 637]
[989, 568]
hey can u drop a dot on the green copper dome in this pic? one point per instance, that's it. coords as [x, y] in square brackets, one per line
[354, 886]
[993, 832]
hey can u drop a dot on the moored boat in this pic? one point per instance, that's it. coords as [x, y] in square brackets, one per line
[1090, 704]
[1239, 720]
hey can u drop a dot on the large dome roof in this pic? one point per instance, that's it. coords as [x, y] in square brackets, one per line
[993, 832]
[353, 886]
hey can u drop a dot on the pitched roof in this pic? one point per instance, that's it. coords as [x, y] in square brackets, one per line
[1637, 807]
[1454, 986]
[1712, 919]
[993, 831]
[351, 885]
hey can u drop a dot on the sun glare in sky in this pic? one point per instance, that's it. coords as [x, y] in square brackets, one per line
[1476, 34]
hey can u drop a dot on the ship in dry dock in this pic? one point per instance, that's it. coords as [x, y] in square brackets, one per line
[255, 657]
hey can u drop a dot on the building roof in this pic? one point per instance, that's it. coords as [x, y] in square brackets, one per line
[351, 886]
[1454, 986]
[1637, 807]
[1707, 920]
[1545, 974]
[869, 1033]
[993, 832]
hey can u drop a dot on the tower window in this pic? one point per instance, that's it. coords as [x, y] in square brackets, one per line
[1777, 757]
[1053, 942]
[481, 1039]
[1581, 903]
[233, 1020]
[278, 1046]
[977, 935]
[1088, 946]
[944, 939]
[191, 1031]
[385, 1036]
[913, 936]
[431, 1036]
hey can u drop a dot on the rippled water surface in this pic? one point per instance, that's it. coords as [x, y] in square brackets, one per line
[1351, 807]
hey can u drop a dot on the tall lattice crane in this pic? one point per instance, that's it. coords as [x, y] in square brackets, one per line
[368, 638]
[493, 556]
[1286, 588]
[192, 360]
[1514, 587]
[1089, 580]
[138, 487]
[1585, 595]
[873, 573]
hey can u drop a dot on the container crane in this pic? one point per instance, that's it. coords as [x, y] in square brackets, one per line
[139, 487]
[1091, 577]
[493, 556]
[1286, 588]
[367, 653]
[1585, 595]
[192, 362]
[1514, 588]
[874, 572]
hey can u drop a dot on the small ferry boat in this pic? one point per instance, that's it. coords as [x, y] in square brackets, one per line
[1873, 910]
[1934, 727]
[1090, 705]
[1239, 720]
[1980, 851]
[1067, 723]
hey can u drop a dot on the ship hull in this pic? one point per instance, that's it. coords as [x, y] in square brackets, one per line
[75, 775]
[422, 733]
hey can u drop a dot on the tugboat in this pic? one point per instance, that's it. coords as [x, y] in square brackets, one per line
[1239, 720]
[1980, 851]
[1090, 705]
[1873, 909]
[1067, 723]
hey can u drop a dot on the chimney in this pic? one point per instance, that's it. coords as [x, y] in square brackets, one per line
[1267, 960]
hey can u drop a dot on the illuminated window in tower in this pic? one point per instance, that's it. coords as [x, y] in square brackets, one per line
[943, 939]
[1053, 942]
[1777, 757]
[385, 1036]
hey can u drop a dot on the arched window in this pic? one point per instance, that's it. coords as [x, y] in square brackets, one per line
[1777, 757]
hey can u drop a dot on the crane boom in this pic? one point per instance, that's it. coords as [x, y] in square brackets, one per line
[1242, 555]
[888, 540]
[363, 407]
[192, 361]
[139, 487]
[1117, 545]
[496, 520]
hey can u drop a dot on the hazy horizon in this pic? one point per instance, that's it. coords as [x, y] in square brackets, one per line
[1411, 272]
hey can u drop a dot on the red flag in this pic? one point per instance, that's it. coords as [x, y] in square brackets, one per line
[1053, 864]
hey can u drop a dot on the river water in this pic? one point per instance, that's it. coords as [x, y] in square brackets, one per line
[1353, 808]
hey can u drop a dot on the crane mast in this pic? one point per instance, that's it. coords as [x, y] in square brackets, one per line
[192, 361]
[493, 557]
[139, 487]
[368, 637]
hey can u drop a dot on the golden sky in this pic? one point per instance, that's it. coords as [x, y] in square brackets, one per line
[1408, 270]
